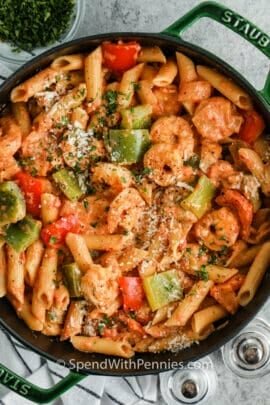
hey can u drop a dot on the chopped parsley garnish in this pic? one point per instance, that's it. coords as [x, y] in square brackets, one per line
[138, 174]
[111, 101]
[202, 273]
[85, 204]
[28, 24]
[136, 86]
[193, 161]
[53, 240]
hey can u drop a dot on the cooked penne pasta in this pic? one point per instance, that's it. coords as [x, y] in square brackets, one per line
[68, 62]
[146, 94]
[15, 277]
[93, 76]
[166, 74]
[37, 83]
[103, 346]
[149, 73]
[255, 275]
[51, 329]
[151, 54]
[50, 206]
[245, 257]
[201, 320]
[22, 116]
[79, 250]
[74, 320]
[163, 313]
[3, 271]
[44, 287]
[190, 303]
[186, 68]
[61, 298]
[217, 274]
[126, 86]
[33, 259]
[26, 314]
[107, 242]
[226, 87]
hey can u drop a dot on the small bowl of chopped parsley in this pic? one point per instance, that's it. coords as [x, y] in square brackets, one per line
[29, 27]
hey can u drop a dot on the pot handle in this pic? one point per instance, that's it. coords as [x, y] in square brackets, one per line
[232, 20]
[34, 393]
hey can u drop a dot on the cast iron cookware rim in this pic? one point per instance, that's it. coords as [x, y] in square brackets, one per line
[63, 352]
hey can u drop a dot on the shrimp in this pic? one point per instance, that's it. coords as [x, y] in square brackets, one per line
[242, 206]
[194, 257]
[125, 210]
[100, 286]
[216, 119]
[167, 101]
[223, 173]
[217, 229]
[173, 130]
[118, 178]
[11, 140]
[165, 162]
[210, 154]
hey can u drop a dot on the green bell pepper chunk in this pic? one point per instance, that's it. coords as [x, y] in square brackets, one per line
[72, 277]
[127, 145]
[12, 203]
[138, 117]
[68, 184]
[199, 200]
[162, 288]
[22, 234]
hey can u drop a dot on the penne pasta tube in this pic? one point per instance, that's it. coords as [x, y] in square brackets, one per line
[114, 86]
[78, 247]
[15, 277]
[73, 78]
[217, 274]
[103, 346]
[190, 303]
[107, 242]
[44, 287]
[226, 87]
[66, 63]
[33, 259]
[166, 74]
[35, 84]
[50, 206]
[145, 93]
[3, 272]
[74, 320]
[186, 68]
[143, 344]
[245, 257]
[22, 116]
[126, 87]
[149, 72]
[151, 54]
[194, 92]
[201, 320]
[255, 275]
[197, 337]
[94, 76]
[164, 313]
[25, 313]
[61, 298]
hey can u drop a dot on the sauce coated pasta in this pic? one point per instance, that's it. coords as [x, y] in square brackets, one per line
[134, 200]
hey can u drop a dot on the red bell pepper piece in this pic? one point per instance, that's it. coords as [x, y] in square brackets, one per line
[120, 57]
[54, 234]
[252, 126]
[32, 189]
[133, 292]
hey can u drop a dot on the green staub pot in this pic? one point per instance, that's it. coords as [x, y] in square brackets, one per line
[64, 353]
